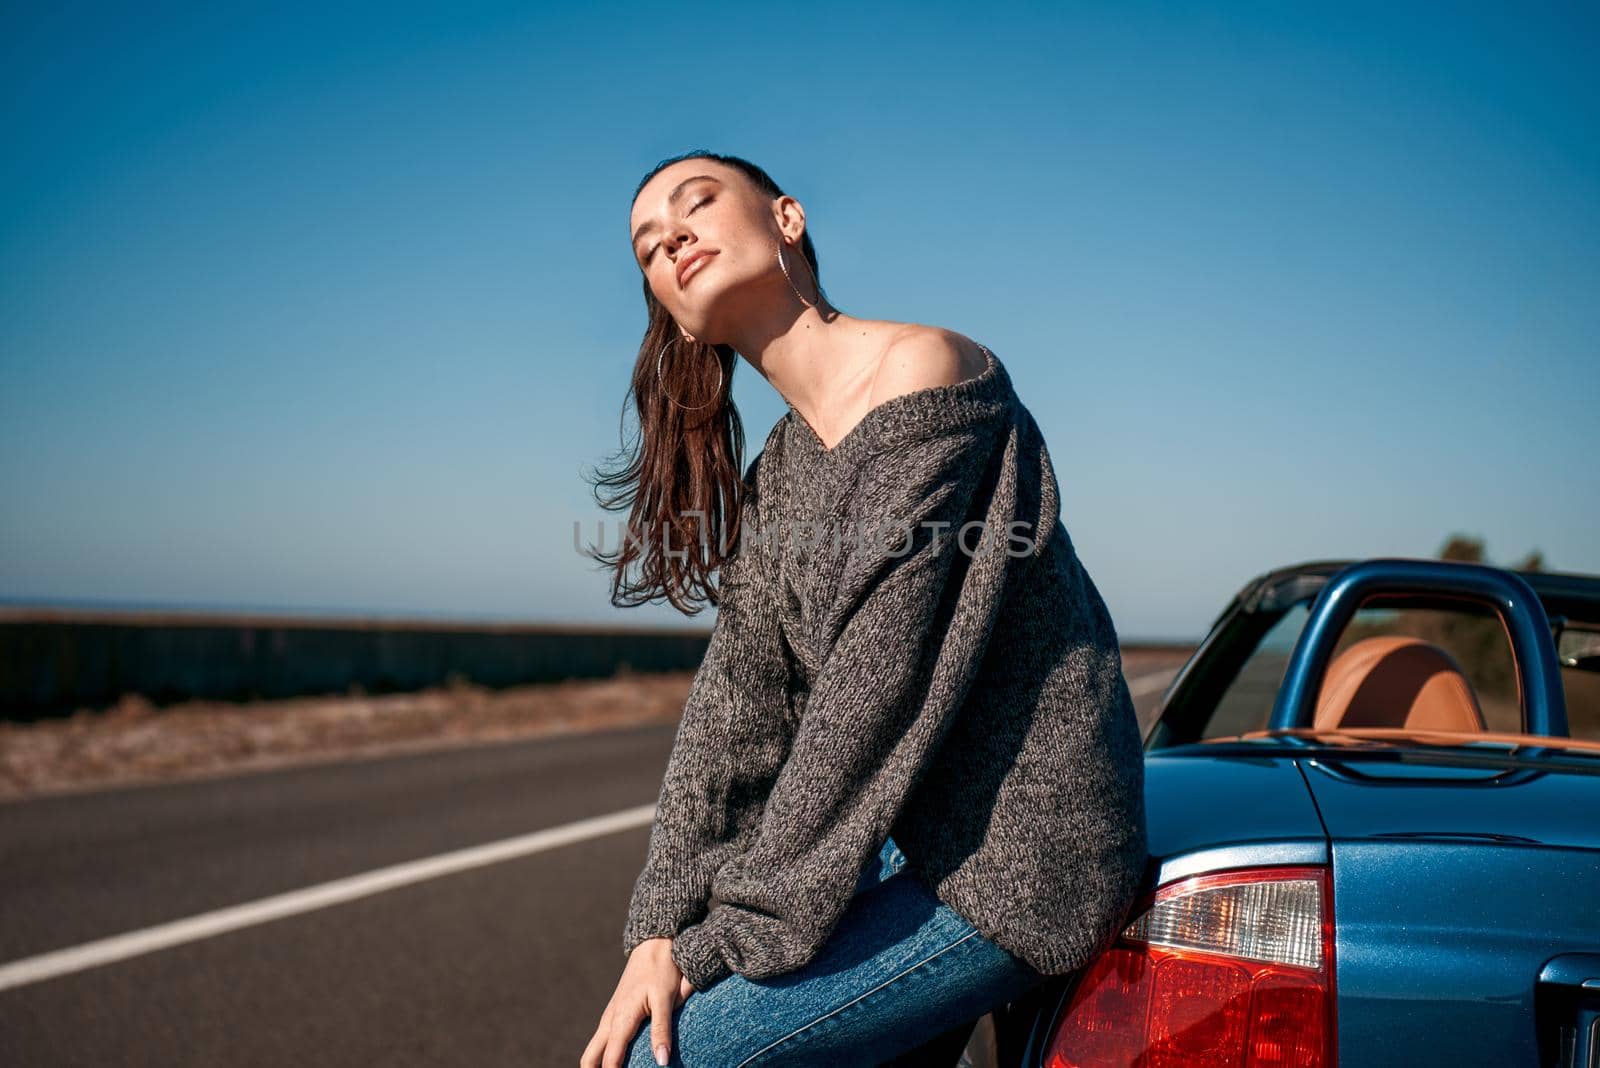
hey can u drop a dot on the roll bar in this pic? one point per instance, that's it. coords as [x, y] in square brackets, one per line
[1538, 671]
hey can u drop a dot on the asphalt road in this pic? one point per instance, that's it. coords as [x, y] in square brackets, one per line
[506, 963]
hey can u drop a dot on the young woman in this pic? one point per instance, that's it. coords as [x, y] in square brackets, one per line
[907, 785]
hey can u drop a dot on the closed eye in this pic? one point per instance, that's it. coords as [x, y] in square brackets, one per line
[648, 256]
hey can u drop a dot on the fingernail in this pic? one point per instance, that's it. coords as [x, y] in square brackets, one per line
[661, 1055]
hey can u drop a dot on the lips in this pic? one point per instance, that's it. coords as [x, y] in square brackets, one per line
[690, 265]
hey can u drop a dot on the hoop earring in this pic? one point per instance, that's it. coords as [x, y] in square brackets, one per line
[674, 400]
[785, 269]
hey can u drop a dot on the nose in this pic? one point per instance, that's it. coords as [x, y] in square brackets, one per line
[675, 237]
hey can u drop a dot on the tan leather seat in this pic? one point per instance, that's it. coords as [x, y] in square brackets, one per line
[1397, 681]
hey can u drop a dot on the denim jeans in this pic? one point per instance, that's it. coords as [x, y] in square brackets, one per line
[900, 968]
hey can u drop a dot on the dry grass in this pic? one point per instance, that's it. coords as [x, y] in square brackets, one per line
[133, 742]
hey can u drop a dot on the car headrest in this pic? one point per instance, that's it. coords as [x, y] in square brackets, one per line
[1397, 681]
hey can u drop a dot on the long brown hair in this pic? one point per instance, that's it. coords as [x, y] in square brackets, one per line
[686, 461]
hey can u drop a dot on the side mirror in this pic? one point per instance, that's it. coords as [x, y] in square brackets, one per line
[1577, 647]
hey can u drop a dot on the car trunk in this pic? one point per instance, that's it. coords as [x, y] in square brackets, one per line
[1215, 797]
[1457, 877]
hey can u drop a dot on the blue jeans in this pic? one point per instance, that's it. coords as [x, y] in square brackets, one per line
[900, 968]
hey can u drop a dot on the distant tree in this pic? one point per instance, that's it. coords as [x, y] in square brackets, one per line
[1534, 561]
[1467, 549]
[1464, 548]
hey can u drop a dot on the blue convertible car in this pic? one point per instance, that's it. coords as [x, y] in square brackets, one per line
[1374, 809]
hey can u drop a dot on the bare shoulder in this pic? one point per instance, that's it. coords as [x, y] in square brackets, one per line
[922, 357]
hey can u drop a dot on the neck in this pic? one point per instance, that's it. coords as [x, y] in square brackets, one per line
[815, 358]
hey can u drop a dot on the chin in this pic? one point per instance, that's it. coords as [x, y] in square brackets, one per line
[710, 316]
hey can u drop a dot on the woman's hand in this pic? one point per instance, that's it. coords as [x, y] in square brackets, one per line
[651, 985]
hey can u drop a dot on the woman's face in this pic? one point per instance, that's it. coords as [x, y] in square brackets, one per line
[705, 216]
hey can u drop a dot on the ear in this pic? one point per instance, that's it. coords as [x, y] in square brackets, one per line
[791, 219]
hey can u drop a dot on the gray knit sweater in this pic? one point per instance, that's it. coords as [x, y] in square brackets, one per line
[870, 674]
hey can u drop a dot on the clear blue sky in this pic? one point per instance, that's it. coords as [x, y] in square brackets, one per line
[331, 309]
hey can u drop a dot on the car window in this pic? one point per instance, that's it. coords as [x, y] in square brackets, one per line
[1472, 635]
[1246, 705]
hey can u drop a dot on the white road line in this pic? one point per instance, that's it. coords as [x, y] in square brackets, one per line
[134, 943]
[1154, 682]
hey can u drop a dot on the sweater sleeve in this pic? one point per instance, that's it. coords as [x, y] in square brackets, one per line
[730, 742]
[909, 625]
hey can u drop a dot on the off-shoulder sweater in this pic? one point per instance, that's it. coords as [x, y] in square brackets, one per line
[906, 644]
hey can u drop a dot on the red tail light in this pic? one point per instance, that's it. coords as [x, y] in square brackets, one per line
[1225, 970]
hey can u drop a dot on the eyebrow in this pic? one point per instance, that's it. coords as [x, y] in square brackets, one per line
[677, 191]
